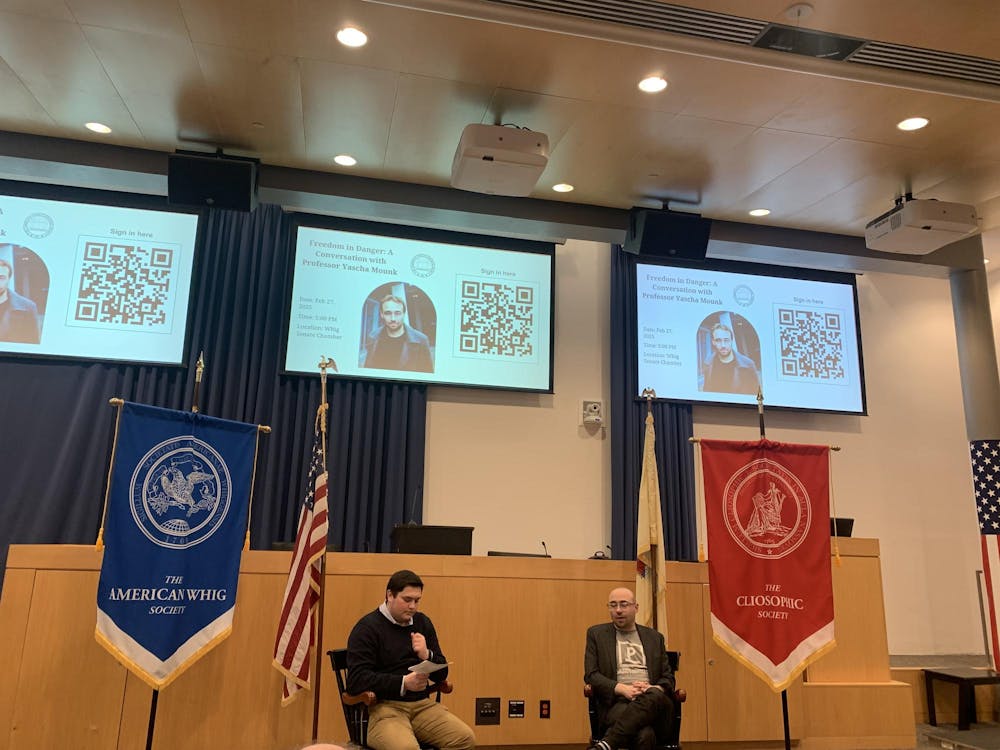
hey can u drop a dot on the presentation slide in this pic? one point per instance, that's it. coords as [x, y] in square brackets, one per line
[706, 335]
[410, 309]
[94, 282]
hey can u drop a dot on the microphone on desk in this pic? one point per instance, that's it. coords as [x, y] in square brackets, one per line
[413, 505]
[545, 549]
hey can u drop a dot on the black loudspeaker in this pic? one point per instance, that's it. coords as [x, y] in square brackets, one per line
[215, 180]
[666, 234]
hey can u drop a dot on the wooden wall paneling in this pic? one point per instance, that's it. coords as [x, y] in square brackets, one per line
[233, 692]
[862, 650]
[686, 634]
[69, 687]
[741, 706]
[859, 716]
[15, 603]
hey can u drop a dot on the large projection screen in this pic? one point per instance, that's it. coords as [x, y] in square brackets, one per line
[93, 281]
[397, 303]
[710, 333]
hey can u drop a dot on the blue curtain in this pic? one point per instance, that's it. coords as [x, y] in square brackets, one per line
[58, 428]
[673, 423]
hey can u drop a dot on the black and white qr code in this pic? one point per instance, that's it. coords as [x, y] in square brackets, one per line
[811, 343]
[123, 285]
[496, 319]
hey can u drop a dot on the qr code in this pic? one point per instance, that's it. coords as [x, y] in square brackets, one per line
[496, 319]
[811, 344]
[123, 285]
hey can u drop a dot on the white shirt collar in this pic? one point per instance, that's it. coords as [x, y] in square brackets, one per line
[384, 609]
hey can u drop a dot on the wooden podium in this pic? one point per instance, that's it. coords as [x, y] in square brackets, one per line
[513, 628]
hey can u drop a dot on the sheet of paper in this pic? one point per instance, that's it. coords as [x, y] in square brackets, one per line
[427, 667]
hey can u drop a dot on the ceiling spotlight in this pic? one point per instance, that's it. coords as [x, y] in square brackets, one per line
[653, 84]
[345, 160]
[352, 37]
[562, 187]
[760, 212]
[913, 123]
[98, 127]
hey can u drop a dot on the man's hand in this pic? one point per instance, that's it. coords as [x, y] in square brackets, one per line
[414, 682]
[629, 692]
[419, 644]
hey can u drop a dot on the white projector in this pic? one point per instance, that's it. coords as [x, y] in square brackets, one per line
[918, 227]
[499, 160]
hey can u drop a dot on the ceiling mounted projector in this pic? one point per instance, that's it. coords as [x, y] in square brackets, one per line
[919, 227]
[499, 160]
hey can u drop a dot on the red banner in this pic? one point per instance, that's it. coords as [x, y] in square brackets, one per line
[767, 514]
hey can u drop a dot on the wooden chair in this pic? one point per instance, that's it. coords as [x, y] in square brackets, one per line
[356, 706]
[674, 740]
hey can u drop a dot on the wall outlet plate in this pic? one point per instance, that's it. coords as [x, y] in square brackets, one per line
[544, 709]
[487, 710]
[515, 709]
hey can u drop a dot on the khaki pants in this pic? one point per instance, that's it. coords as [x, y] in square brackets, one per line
[402, 725]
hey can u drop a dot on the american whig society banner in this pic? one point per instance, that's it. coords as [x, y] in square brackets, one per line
[176, 519]
[768, 522]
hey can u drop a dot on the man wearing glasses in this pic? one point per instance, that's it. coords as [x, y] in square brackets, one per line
[626, 664]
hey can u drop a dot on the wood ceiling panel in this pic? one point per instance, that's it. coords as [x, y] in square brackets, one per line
[315, 24]
[160, 17]
[835, 168]
[251, 87]
[260, 25]
[147, 63]
[71, 108]
[754, 162]
[20, 108]
[347, 109]
[55, 9]
[976, 185]
[745, 94]
[182, 121]
[427, 125]
[53, 53]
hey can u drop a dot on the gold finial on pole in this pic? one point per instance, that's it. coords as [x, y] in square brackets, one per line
[199, 371]
[325, 363]
[649, 394]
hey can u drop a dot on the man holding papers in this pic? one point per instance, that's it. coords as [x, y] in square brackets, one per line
[394, 653]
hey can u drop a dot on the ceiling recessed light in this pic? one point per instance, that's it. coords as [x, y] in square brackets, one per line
[562, 187]
[345, 160]
[913, 123]
[352, 37]
[653, 84]
[760, 212]
[98, 127]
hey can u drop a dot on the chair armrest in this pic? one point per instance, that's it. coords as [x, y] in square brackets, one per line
[441, 687]
[588, 690]
[367, 697]
[680, 695]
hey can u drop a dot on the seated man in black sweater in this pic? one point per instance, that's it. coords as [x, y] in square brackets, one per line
[380, 651]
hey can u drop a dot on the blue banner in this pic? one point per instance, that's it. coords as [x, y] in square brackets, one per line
[176, 520]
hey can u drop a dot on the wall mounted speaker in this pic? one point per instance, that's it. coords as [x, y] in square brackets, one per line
[667, 234]
[196, 179]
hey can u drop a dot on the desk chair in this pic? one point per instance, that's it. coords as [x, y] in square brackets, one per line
[674, 740]
[356, 706]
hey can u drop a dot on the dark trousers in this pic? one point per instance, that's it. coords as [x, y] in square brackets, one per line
[641, 723]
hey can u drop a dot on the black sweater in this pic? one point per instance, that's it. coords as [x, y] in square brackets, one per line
[379, 655]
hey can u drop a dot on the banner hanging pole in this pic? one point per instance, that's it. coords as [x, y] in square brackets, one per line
[325, 363]
[118, 404]
[199, 370]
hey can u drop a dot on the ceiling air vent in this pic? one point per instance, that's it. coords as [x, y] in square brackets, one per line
[807, 42]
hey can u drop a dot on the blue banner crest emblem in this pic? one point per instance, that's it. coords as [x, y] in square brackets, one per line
[176, 520]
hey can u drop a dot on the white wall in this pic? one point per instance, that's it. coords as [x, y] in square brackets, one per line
[520, 468]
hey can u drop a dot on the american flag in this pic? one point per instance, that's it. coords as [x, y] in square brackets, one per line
[986, 479]
[296, 628]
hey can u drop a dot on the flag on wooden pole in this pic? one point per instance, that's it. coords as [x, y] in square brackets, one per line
[650, 568]
[986, 482]
[296, 628]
